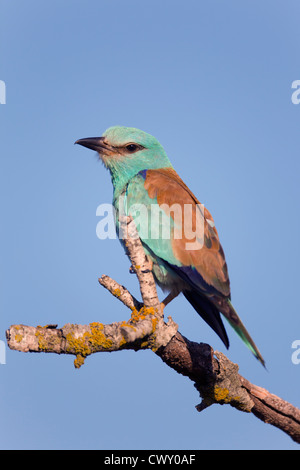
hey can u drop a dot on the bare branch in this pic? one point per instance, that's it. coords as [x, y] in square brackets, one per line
[141, 265]
[217, 380]
[214, 375]
[120, 292]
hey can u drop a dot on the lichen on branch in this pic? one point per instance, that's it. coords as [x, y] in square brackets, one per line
[214, 375]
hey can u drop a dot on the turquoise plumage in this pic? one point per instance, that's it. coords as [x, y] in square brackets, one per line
[178, 234]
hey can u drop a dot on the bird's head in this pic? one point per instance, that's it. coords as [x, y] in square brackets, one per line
[125, 151]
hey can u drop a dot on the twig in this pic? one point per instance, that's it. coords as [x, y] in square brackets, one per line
[120, 292]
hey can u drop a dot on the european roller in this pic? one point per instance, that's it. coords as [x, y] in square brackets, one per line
[188, 257]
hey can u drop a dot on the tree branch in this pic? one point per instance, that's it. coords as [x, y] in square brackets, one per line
[214, 375]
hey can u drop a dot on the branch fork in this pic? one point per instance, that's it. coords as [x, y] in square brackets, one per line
[214, 375]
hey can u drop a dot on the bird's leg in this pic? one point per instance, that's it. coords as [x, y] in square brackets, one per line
[174, 293]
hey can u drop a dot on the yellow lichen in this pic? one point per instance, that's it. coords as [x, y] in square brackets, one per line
[222, 395]
[85, 344]
[78, 361]
[77, 345]
[98, 338]
[18, 338]
[46, 342]
[116, 292]
[137, 315]
[154, 323]
[122, 342]
[43, 345]
[142, 314]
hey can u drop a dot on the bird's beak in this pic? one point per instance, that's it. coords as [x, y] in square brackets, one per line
[93, 143]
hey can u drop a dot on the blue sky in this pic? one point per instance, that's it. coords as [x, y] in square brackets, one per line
[212, 81]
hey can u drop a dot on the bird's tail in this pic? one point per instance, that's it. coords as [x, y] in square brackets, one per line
[232, 317]
[209, 312]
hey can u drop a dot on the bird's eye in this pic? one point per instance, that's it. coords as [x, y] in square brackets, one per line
[132, 148]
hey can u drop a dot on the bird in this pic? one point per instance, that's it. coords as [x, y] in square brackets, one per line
[191, 263]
